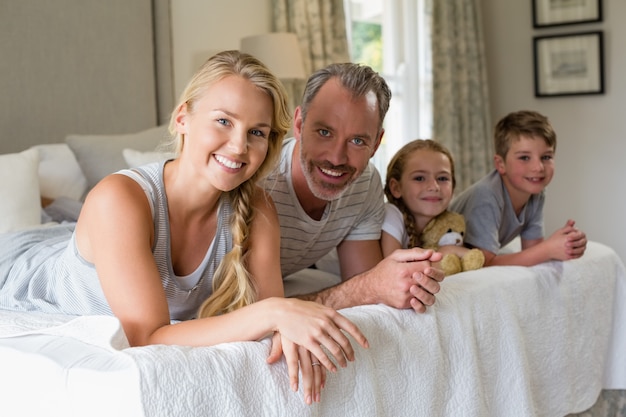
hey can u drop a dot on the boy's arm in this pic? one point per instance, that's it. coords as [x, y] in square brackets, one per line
[532, 253]
[566, 243]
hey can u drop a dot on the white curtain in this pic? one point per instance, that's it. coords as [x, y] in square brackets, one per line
[434, 62]
[321, 29]
[406, 61]
[320, 26]
[460, 97]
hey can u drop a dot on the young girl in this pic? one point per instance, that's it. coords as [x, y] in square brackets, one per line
[154, 244]
[419, 186]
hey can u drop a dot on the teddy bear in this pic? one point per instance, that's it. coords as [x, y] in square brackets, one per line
[448, 228]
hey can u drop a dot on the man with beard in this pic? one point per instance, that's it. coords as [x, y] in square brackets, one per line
[329, 196]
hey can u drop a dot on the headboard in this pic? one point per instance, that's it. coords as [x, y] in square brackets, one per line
[82, 67]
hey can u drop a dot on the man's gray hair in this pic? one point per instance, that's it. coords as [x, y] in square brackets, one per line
[356, 78]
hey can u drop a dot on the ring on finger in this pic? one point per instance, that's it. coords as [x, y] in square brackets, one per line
[316, 364]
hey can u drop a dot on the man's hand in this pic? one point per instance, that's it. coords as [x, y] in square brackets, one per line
[406, 279]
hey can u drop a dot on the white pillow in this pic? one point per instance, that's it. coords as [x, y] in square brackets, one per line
[101, 155]
[20, 205]
[59, 172]
[135, 158]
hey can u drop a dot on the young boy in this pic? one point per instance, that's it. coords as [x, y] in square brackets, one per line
[508, 202]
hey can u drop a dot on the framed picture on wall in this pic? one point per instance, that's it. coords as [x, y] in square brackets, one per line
[565, 12]
[569, 64]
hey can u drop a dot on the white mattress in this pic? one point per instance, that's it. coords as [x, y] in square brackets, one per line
[501, 341]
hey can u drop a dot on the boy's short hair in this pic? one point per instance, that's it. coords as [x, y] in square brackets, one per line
[522, 123]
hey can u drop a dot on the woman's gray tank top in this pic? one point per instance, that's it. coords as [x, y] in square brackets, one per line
[50, 275]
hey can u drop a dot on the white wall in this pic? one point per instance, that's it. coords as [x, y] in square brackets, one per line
[590, 180]
[201, 28]
[589, 184]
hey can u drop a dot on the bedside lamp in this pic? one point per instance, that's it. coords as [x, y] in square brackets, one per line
[279, 51]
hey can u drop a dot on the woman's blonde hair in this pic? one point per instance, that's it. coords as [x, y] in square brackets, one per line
[396, 168]
[233, 287]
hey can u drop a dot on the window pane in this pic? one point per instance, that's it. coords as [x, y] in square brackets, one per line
[393, 37]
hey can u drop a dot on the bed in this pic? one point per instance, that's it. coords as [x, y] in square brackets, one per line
[549, 340]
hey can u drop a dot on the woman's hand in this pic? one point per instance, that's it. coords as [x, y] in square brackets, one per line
[299, 359]
[305, 332]
[313, 376]
[318, 329]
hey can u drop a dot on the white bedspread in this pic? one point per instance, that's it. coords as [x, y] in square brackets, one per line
[501, 341]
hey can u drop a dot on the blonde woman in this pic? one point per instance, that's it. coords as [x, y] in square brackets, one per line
[193, 237]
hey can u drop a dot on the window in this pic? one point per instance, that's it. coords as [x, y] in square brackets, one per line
[393, 37]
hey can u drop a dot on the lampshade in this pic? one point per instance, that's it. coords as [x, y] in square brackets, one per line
[279, 51]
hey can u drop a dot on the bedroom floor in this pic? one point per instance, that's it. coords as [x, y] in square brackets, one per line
[611, 403]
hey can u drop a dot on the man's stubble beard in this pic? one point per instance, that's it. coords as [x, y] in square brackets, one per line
[321, 190]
